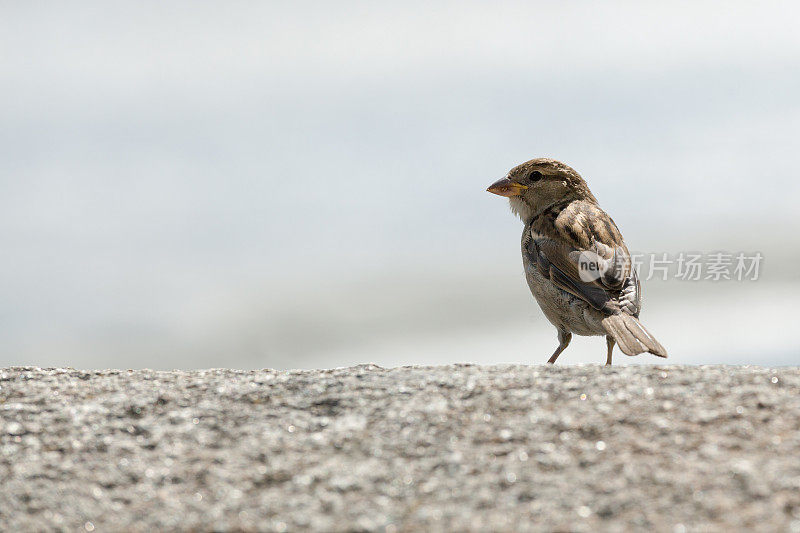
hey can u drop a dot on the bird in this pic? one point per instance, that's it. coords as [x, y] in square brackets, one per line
[576, 262]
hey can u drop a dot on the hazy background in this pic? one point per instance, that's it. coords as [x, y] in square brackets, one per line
[300, 184]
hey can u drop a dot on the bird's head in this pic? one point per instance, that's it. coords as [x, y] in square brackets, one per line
[538, 184]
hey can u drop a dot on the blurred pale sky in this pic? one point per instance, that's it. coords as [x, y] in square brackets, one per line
[281, 184]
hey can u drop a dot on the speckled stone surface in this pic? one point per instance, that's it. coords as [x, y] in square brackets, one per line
[451, 448]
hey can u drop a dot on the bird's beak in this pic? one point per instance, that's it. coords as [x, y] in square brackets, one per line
[506, 187]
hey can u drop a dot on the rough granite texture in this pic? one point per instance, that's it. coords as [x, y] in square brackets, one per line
[452, 448]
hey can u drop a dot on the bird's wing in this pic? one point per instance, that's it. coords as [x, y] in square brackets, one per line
[582, 256]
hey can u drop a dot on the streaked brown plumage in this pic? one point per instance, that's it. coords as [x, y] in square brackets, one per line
[576, 262]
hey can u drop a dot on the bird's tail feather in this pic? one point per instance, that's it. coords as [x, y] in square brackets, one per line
[632, 337]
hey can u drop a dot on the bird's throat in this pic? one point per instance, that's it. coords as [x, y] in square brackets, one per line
[522, 209]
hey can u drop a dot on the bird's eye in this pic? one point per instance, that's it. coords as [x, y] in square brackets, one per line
[535, 175]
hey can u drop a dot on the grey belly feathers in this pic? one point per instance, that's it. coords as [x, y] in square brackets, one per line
[562, 309]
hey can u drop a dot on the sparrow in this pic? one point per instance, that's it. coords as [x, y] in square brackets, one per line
[576, 262]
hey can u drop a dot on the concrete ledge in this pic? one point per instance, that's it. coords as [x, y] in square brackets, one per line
[502, 448]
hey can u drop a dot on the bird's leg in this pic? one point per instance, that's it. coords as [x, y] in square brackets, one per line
[610, 344]
[564, 337]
